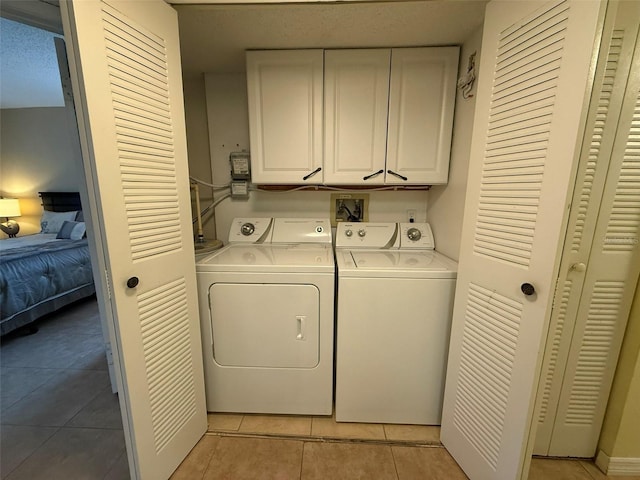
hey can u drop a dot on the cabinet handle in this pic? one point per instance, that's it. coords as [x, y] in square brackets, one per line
[374, 174]
[397, 175]
[307, 177]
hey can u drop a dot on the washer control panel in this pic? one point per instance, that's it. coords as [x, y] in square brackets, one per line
[250, 230]
[367, 235]
[416, 235]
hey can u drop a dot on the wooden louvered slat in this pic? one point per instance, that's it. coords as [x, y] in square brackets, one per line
[594, 353]
[137, 67]
[168, 359]
[488, 351]
[520, 116]
[560, 319]
[595, 148]
[623, 228]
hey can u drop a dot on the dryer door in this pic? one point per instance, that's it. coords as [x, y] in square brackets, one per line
[265, 325]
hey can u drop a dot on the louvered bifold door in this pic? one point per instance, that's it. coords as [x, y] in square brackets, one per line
[610, 279]
[128, 82]
[598, 271]
[534, 85]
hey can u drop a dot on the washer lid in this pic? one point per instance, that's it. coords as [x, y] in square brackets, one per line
[259, 258]
[389, 263]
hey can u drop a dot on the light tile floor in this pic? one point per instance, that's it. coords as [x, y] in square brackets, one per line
[59, 420]
[309, 448]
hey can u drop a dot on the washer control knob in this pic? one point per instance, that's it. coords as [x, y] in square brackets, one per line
[362, 232]
[348, 233]
[414, 234]
[247, 229]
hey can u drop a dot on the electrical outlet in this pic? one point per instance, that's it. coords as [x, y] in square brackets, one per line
[411, 216]
[349, 207]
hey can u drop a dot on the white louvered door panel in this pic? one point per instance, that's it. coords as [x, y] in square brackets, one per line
[126, 56]
[572, 303]
[534, 81]
[611, 276]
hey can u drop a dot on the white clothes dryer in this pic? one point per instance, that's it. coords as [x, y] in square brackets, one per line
[394, 307]
[267, 316]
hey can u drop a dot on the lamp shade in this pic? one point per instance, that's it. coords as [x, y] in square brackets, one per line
[9, 207]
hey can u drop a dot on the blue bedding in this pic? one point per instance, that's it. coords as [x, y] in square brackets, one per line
[38, 279]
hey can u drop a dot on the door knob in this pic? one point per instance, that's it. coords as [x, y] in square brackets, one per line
[133, 282]
[578, 267]
[527, 289]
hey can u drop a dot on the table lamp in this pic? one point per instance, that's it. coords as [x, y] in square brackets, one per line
[9, 207]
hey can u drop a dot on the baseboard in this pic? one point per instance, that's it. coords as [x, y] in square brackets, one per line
[617, 465]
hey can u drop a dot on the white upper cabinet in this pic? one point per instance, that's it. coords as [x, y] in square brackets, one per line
[388, 115]
[356, 97]
[421, 101]
[285, 116]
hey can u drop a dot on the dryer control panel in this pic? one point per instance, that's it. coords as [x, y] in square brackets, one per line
[251, 230]
[416, 235]
[301, 230]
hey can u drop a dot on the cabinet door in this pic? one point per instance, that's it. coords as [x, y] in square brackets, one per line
[356, 95]
[285, 116]
[421, 101]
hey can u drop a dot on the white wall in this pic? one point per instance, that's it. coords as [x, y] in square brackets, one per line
[36, 155]
[229, 131]
[446, 202]
[198, 147]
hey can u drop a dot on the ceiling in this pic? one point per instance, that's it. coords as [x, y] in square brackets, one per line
[214, 38]
[29, 75]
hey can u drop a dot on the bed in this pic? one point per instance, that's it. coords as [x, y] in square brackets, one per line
[44, 272]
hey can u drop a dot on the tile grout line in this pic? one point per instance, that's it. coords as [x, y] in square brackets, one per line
[324, 439]
[32, 453]
[395, 465]
[581, 463]
[302, 459]
[211, 457]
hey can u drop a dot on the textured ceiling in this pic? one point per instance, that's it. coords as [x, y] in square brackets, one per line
[29, 75]
[214, 37]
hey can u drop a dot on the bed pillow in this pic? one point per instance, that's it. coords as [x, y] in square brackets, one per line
[51, 222]
[72, 230]
[80, 216]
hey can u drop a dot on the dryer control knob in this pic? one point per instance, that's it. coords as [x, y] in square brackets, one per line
[247, 229]
[348, 233]
[414, 234]
[362, 232]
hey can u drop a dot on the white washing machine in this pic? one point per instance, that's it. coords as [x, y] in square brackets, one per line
[394, 307]
[267, 316]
